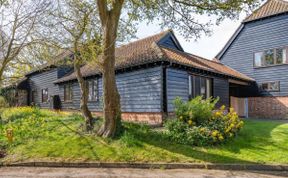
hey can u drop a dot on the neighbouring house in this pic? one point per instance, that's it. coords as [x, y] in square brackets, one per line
[150, 74]
[259, 49]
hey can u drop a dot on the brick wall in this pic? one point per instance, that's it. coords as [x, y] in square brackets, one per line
[268, 107]
[148, 118]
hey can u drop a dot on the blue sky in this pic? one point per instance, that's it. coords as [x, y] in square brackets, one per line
[206, 46]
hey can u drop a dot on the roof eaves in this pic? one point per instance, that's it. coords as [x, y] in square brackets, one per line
[273, 3]
[246, 78]
[265, 17]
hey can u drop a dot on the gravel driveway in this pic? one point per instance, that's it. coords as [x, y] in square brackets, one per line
[135, 173]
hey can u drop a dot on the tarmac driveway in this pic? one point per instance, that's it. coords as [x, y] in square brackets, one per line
[133, 173]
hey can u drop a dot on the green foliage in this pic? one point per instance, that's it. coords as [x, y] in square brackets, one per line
[174, 14]
[3, 102]
[198, 123]
[196, 110]
[61, 138]
[30, 123]
[16, 113]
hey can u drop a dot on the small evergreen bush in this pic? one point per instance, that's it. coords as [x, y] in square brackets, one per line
[199, 123]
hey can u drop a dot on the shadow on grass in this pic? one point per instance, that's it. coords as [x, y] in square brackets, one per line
[255, 135]
[251, 137]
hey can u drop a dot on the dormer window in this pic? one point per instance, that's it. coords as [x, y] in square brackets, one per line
[270, 57]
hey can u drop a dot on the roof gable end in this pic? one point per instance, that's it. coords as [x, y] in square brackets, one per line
[170, 41]
[269, 8]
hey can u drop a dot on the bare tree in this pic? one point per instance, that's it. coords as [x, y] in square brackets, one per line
[72, 24]
[19, 20]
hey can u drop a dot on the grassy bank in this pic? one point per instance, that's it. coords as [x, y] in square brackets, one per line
[42, 135]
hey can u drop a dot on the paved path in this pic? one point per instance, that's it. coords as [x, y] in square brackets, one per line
[133, 173]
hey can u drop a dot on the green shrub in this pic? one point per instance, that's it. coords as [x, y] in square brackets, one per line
[196, 110]
[199, 123]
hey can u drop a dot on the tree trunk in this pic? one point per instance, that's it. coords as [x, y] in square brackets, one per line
[84, 96]
[111, 97]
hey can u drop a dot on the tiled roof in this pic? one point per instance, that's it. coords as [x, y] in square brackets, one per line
[271, 7]
[202, 63]
[147, 51]
[135, 53]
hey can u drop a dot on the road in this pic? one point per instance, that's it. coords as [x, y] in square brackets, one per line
[133, 173]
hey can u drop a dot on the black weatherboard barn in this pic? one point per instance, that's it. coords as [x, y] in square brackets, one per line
[150, 74]
[259, 49]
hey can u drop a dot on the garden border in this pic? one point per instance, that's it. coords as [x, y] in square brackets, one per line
[251, 167]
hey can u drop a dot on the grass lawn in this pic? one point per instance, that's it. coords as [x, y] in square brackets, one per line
[58, 137]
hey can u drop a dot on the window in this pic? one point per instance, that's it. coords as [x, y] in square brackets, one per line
[270, 57]
[33, 96]
[44, 95]
[270, 86]
[200, 86]
[68, 93]
[93, 91]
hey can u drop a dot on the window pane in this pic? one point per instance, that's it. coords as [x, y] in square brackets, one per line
[208, 88]
[280, 56]
[271, 86]
[274, 86]
[67, 92]
[265, 86]
[203, 87]
[197, 86]
[90, 90]
[269, 57]
[190, 86]
[258, 59]
[44, 95]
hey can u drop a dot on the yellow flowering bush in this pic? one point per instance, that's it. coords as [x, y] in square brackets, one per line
[198, 122]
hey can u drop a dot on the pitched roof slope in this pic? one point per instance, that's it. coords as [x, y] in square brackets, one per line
[148, 51]
[135, 53]
[269, 8]
[202, 63]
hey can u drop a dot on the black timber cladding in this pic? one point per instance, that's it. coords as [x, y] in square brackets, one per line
[257, 36]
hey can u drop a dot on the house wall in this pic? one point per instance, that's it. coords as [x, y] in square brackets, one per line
[41, 81]
[140, 91]
[221, 90]
[257, 36]
[178, 85]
